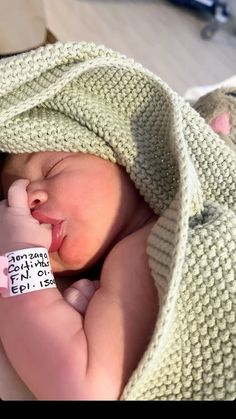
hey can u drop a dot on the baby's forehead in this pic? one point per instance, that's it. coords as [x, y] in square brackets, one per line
[16, 161]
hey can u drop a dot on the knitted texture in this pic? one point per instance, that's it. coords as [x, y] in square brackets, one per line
[80, 97]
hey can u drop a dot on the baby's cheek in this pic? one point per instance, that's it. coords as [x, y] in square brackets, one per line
[69, 257]
[80, 251]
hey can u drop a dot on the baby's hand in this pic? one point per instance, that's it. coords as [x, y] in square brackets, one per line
[80, 293]
[19, 230]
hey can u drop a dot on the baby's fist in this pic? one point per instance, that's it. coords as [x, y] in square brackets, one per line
[18, 228]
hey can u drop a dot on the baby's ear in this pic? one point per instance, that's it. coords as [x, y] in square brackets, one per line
[221, 123]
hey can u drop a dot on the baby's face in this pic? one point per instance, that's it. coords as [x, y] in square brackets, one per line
[81, 196]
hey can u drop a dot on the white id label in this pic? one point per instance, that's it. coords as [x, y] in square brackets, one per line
[28, 270]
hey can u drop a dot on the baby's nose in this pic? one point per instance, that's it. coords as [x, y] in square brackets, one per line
[37, 198]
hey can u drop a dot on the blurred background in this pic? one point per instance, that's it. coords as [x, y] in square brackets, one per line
[164, 37]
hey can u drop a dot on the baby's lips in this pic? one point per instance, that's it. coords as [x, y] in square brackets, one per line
[56, 226]
[48, 228]
[42, 218]
[57, 236]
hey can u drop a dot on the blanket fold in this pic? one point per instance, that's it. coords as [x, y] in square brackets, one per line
[81, 97]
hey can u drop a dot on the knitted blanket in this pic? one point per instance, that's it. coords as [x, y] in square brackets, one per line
[82, 97]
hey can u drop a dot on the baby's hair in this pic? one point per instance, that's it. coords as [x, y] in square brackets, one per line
[2, 158]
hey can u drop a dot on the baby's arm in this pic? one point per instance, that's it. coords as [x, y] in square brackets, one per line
[60, 355]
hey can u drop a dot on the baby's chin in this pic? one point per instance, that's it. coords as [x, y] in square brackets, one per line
[71, 258]
[62, 267]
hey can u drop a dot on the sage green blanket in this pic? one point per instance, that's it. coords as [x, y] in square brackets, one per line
[80, 97]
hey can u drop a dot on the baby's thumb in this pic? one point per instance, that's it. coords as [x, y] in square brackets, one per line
[17, 194]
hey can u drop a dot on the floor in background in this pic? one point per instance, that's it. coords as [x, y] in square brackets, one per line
[164, 38]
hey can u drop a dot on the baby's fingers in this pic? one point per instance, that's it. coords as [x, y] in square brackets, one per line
[80, 293]
[17, 195]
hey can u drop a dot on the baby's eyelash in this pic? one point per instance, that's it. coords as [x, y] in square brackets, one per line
[52, 164]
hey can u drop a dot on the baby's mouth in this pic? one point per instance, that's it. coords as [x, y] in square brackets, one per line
[57, 236]
[57, 229]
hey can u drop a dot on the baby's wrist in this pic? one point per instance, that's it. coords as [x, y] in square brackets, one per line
[25, 270]
[17, 246]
